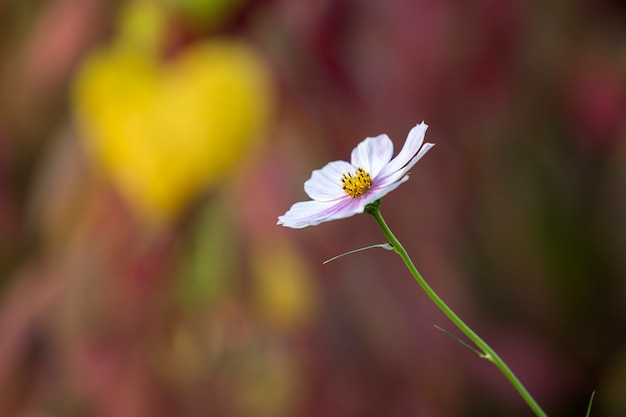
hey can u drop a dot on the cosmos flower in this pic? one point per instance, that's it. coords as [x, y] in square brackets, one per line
[342, 189]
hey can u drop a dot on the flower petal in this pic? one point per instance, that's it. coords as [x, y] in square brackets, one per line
[378, 192]
[325, 183]
[307, 213]
[412, 145]
[395, 176]
[311, 213]
[372, 154]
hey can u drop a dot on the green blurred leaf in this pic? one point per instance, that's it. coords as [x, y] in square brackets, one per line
[209, 265]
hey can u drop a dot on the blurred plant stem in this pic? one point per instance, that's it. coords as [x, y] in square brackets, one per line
[484, 350]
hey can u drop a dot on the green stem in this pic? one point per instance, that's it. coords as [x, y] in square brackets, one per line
[487, 352]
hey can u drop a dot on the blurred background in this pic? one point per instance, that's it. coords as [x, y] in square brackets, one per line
[148, 146]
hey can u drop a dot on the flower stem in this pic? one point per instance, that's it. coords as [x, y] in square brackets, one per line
[485, 351]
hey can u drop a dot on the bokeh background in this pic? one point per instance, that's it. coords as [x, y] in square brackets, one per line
[147, 147]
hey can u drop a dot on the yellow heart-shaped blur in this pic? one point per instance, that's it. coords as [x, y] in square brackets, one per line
[164, 132]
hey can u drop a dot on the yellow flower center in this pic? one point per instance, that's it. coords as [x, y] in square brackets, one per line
[357, 184]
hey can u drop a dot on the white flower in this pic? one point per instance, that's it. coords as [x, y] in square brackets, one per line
[343, 189]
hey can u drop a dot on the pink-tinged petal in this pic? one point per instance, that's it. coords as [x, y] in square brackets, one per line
[351, 207]
[395, 176]
[372, 154]
[412, 145]
[308, 213]
[378, 192]
[311, 213]
[325, 183]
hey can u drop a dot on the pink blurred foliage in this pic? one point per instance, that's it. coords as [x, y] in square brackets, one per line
[595, 95]
[63, 31]
[495, 217]
[42, 61]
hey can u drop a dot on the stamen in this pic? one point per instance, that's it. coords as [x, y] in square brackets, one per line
[357, 184]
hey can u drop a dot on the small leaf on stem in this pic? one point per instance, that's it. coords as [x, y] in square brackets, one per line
[385, 246]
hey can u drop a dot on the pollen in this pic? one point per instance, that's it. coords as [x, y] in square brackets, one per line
[357, 184]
